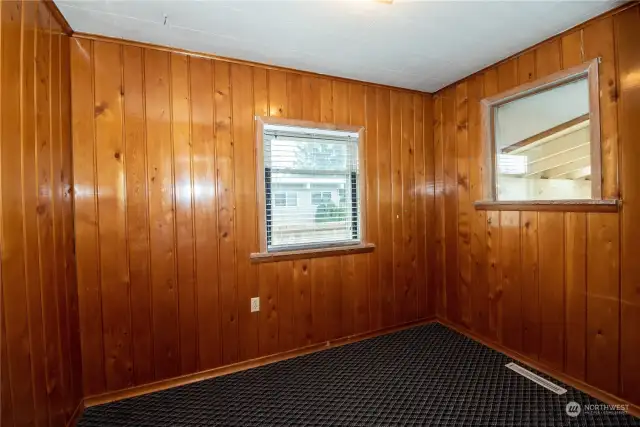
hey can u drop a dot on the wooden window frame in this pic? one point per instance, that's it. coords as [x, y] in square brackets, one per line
[488, 107]
[322, 251]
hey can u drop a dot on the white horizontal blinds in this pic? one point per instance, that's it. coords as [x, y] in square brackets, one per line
[311, 184]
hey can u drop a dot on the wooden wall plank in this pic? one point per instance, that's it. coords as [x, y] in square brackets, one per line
[15, 323]
[478, 219]
[627, 27]
[114, 280]
[421, 195]
[530, 284]
[603, 307]
[572, 52]
[225, 157]
[464, 203]
[551, 295]
[30, 201]
[510, 332]
[409, 237]
[494, 275]
[245, 196]
[372, 204]
[399, 283]
[439, 226]
[185, 253]
[161, 213]
[450, 204]
[385, 218]
[84, 176]
[429, 195]
[205, 212]
[45, 210]
[575, 240]
[137, 218]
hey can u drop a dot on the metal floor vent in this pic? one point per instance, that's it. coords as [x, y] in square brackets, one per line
[536, 378]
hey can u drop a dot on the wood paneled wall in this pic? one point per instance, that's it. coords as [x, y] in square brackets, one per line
[562, 288]
[40, 343]
[165, 198]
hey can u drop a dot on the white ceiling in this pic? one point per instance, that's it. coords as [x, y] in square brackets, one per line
[423, 45]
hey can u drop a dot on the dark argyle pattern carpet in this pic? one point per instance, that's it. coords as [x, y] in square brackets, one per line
[427, 375]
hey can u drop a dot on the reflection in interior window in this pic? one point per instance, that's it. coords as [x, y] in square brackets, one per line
[542, 143]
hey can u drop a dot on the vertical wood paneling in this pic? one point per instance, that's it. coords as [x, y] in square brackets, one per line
[205, 202]
[385, 219]
[188, 176]
[372, 204]
[39, 334]
[510, 332]
[137, 218]
[530, 284]
[86, 220]
[30, 201]
[185, 254]
[478, 219]
[399, 283]
[161, 213]
[245, 196]
[575, 241]
[407, 212]
[603, 307]
[16, 325]
[225, 153]
[428, 194]
[420, 191]
[439, 225]
[551, 295]
[114, 280]
[450, 204]
[627, 31]
[575, 297]
[464, 206]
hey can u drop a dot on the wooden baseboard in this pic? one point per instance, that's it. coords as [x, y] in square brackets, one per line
[77, 413]
[241, 366]
[560, 376]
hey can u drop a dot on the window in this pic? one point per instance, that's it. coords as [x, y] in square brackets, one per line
[544, 139]
[284, 198]
[319, 197]
[311, 183]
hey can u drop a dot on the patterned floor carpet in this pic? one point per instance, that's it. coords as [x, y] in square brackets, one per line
[427, 375]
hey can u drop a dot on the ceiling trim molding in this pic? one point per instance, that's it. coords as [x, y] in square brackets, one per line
[55, 12]
[96, 37]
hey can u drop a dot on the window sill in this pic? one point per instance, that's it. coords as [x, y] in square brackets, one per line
[550, 205]
[312, 253]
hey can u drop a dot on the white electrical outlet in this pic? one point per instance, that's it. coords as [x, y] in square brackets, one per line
[255, 304]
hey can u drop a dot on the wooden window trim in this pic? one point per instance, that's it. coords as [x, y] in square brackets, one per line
[488, 106]
[321, 251]
[589, 205]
